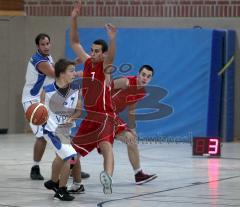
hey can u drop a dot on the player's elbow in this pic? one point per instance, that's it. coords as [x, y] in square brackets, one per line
[126, 82]
[74, 43]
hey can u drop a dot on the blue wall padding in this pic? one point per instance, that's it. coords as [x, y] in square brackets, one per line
[227, 114]
[214, 99]
[184, 97]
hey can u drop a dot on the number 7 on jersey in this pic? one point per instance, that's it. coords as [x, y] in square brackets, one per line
[93, 74]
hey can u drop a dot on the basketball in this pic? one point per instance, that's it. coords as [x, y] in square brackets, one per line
[37, 114]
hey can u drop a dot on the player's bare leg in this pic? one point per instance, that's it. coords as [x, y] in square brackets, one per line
[76, 187]
[38, 150]
[65, 170]
[57, 165]
[59, 178]
[61, 171]
[83, 175]
[53, 183]
[108, 165]
[107, 152]
[133, 155]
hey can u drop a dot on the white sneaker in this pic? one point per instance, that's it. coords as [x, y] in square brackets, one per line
[74, 189]
[106, 181]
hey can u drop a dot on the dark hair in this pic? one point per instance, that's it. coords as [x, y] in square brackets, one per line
[102, 43]
[61, 66]
[40, 37]
[147, 67]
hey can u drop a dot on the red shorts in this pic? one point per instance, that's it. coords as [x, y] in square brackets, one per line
[91, 133]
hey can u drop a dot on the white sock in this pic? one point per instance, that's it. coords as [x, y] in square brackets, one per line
[137, 170]
[76, 184]
[35, 163]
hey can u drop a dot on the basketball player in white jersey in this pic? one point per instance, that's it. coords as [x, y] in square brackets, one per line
[40, 72]
[63, 100]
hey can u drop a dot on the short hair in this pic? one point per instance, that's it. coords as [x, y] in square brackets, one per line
[102, 43]
[61, 66]
[147, 67]
[40, 37]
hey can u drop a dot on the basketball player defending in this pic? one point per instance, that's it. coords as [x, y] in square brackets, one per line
[100, 125]
[63, 101]
[128, 91]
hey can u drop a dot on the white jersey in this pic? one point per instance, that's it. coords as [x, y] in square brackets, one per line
[35, 79]
[60, 107]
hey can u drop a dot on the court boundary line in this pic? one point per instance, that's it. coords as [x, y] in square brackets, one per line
[170, 189]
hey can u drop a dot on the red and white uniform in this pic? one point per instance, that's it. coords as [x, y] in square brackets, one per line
[125, 97]
[100, 124]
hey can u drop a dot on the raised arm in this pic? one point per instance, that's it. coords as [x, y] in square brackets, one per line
[111, 30]
[74, 39]
[121, 83]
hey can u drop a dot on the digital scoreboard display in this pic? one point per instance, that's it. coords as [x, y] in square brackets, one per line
[206, 146]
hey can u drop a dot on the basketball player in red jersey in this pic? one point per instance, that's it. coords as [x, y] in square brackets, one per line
[128, 91]
[100, 125]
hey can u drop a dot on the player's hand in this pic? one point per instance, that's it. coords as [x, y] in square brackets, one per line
[111, 30]
[69, 121]
[77, 61]
[76, 9]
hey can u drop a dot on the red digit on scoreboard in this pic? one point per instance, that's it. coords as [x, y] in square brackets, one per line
[210, 146]
[213, 146]
[200, 146]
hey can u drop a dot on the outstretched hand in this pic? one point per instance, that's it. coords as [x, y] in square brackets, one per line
[69, 121]
[111, 30]
[76, 9]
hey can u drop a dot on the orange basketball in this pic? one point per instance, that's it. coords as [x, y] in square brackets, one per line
[37, 114]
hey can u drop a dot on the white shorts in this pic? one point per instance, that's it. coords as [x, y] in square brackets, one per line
[37, 130]
[64, 151]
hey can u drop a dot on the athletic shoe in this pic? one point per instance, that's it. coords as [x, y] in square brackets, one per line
[63, 195]
[106, 181]
[35, 173]
[50, 185]
[84, 175]
[141, 178]
[76, 190]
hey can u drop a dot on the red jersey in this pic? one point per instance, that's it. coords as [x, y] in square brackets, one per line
[96, 94]
[101, 122]
[125, 97]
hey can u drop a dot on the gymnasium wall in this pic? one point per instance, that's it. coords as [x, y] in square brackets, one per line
[17, 44]
[184, 94]
[136, 8]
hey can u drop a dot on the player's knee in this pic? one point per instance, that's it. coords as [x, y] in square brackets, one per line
[105, 146]
[130, 138]
[41, 141]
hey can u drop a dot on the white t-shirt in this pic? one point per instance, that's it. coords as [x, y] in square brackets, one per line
[60, 107]
[35, 79]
